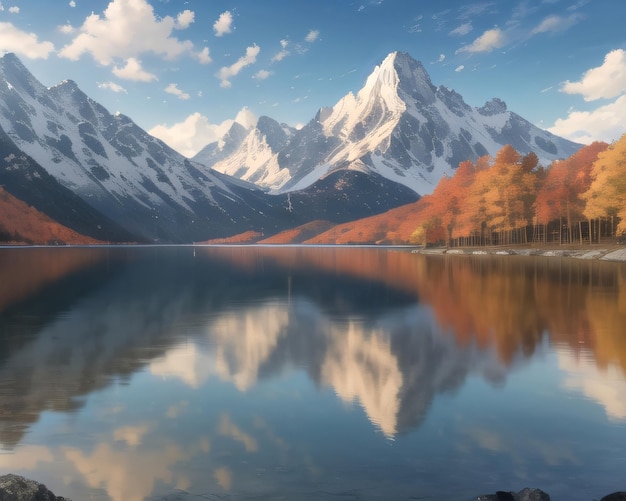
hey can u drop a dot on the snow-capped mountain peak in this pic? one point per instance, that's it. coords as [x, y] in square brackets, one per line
[402, 127]
[112, 164]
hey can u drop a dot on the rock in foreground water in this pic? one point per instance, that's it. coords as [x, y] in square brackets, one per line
[523, 495]
[16, 488]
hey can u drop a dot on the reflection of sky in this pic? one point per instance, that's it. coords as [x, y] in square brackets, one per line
[271, 396]
[605, 386]
[185, 425]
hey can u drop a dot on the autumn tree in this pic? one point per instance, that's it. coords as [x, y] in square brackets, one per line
[560, 196]
[606, 196]
[447, 200]
[472, 219]
[509, 191]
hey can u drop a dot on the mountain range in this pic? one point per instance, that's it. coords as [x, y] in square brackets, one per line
[399, 125]
[101, 175]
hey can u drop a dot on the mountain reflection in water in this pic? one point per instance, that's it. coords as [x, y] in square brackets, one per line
[162, 363]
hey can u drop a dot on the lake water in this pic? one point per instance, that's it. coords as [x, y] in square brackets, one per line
[132, 374]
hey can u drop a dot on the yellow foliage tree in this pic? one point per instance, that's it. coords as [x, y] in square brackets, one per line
[606, 196]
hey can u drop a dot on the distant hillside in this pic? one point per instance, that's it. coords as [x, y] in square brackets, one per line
[300, 234]
[392, 227]
[23, 224]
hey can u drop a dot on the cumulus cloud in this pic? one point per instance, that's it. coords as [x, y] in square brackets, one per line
[556, 24]
[14, 10]
[606, 81]
[204, 56]
[283, 53]
[262, 74]
[195, 132]
[312, 36]
[227, 72]
[246, 118]
[72, 3]
[224, 23]
[134, 71]
[458, 69]
[22, 43]
[175, 91]
[185, 19]
[112, 86]
[488, 41]
[605, 123]
[66, 29]
[127, 29]
[461, 30]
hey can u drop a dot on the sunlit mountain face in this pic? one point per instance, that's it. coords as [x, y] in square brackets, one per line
[398, 126]
[142, 372]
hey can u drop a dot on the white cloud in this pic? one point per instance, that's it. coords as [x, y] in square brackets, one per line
[24, 44]
[458, 69]
[195, 132]
[175, 91]
[223, 25]
[127, 29]
[262, 74]
[14, 10]
[72, 3]
[227, 72]
[246, 118]
[203, 56]
[605, 123]
[312, 36]
[185, 19]
[66, 29]
[134, 71]
[279, 56]
[441, 58]
[606, 81]
[112, 86]
[488, 41]
[556, 24]
[461, 30]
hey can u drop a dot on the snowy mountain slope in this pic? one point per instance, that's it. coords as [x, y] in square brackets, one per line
[250, 154]
[104, 176]
[400, 126]
[26, 180]
[116, 167]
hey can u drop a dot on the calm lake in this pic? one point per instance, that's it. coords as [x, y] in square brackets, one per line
[132, 374]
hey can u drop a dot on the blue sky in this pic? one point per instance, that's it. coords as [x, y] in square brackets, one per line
[185, 69]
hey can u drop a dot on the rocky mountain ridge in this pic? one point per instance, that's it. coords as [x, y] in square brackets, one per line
[399, 125]
[61, 142]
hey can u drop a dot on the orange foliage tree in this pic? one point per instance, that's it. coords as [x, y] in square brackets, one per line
[560, 196]
[606, 196]
[484, 201]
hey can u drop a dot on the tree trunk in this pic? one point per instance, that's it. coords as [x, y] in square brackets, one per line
[580, 231]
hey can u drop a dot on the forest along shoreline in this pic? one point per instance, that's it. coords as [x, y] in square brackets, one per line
[608, 252]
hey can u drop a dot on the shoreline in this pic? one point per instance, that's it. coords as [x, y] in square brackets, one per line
[599, 252]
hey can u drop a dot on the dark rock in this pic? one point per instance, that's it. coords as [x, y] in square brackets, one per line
[16, 488]
[526, 494]
[615, 496]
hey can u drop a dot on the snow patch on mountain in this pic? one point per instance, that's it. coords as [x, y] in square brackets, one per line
[399, 125]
